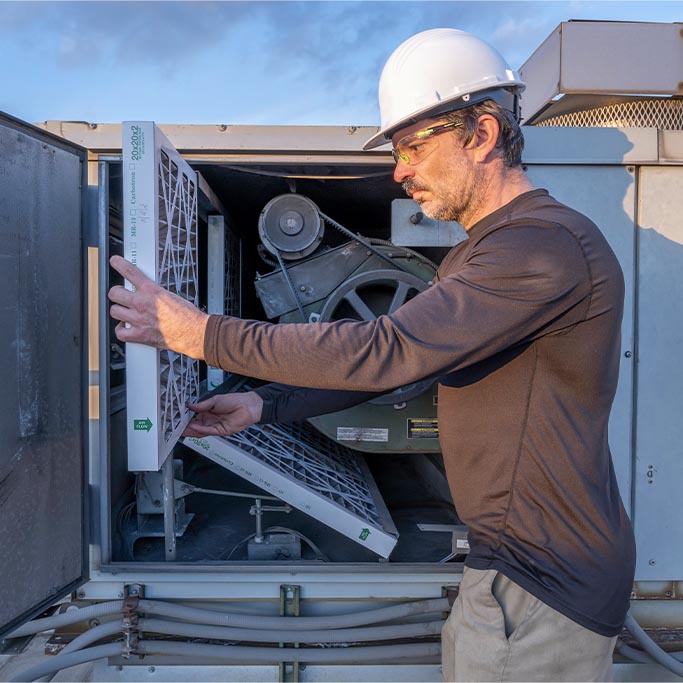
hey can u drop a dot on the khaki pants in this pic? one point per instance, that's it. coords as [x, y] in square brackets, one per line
[499, 632]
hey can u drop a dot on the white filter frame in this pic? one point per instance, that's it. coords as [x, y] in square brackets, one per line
[160, 238]
[325, 480]
[224, 280]
[215, 273]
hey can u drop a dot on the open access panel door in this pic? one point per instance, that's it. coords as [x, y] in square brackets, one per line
[42, 468]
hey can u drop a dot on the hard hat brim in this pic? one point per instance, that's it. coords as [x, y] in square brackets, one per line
[500, 94]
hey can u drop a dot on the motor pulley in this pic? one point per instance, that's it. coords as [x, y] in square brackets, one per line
[290, 225]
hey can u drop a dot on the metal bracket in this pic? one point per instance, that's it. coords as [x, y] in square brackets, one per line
[129, 623]
[459, 542]
[133, 590]
[257, 511]
[290, 606]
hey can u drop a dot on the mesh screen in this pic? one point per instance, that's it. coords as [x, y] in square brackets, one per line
[665, 114]
[310, 459]
[233, 274]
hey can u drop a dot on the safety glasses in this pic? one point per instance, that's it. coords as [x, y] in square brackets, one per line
[416, 147]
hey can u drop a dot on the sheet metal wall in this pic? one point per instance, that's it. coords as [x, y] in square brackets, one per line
[606, 194]
[658, 470]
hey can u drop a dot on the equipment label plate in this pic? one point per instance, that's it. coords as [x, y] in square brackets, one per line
[423, 428]
[362, 434]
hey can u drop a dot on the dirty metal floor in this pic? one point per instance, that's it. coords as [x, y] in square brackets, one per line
[220, 523]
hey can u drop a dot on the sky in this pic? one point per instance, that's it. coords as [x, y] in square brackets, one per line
[297, 63]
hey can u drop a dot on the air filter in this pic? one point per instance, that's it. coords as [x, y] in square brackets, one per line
[310, 472]
[160, 238]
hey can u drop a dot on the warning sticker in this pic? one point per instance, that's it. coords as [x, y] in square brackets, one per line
[423, 428]
[362, 434]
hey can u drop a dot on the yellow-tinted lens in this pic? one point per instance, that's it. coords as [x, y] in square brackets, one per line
[399, 156]
[414, 148]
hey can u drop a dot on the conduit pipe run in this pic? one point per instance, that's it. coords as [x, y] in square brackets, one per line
[205, 616]
[174, 628]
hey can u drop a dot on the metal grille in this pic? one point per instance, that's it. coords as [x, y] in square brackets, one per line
[665, 114]
[233, 274]
[323, 466]
[177, 204]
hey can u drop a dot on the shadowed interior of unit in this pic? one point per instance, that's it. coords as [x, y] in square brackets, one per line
[218, 528]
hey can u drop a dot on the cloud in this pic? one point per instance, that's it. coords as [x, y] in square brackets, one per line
[129, 33]
[270, 62]
[340, 48]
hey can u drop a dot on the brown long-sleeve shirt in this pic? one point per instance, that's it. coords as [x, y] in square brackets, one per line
[523, 325]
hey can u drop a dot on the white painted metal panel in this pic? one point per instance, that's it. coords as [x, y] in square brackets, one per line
[541, 74]
[426, 233]
[256, 581]
[631, 58]
[215, 270]
[212, 139]
[621, 57]
[160, 237]
[606, 194]
[659, 427]
[351, 673]
[590, 145]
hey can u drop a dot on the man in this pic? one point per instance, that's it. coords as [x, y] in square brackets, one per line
[522, 325]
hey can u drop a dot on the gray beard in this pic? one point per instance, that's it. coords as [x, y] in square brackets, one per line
[443, 213]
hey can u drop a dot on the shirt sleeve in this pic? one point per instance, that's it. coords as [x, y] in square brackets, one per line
[517, 283]
[283, 403]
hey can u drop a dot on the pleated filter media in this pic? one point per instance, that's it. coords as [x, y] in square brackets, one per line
[314, 474]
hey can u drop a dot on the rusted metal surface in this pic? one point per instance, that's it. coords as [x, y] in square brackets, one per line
[657, 590]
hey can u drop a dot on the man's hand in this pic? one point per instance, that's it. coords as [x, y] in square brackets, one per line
[155, 316]
[224, 414]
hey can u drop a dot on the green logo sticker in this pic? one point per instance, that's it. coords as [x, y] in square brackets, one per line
[142, 425]
[364, 534]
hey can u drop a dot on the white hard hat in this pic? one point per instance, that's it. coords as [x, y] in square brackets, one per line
[441, 70]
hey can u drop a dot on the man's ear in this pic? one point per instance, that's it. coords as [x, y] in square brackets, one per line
[485, 138]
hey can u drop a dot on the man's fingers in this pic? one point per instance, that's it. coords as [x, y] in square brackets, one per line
[133, 274]
[123, 314]
[200, 430]
[122, 332]
[121, 295]
[203, 406]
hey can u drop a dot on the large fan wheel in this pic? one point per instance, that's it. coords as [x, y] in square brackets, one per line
[367, 296]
